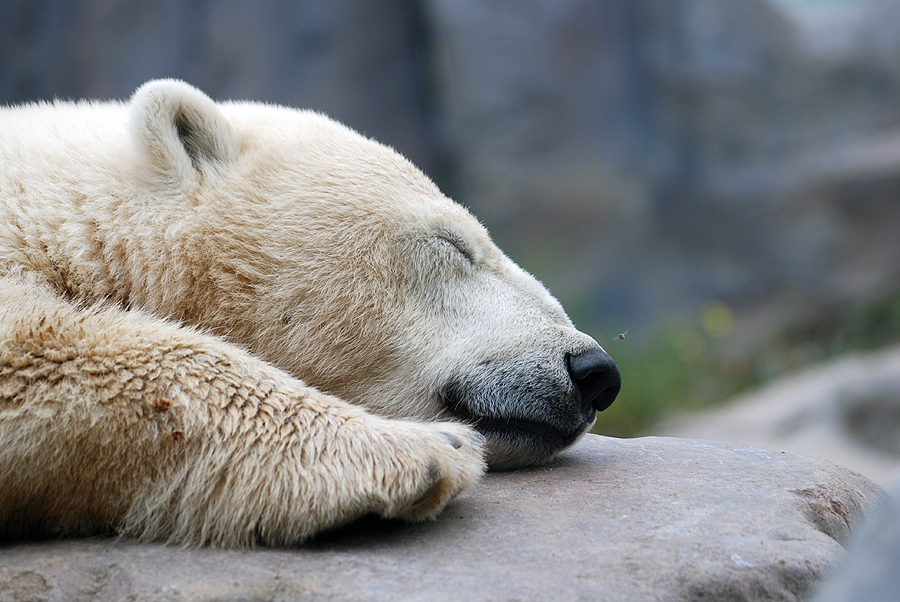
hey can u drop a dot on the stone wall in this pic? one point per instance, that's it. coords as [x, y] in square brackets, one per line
[640, 157]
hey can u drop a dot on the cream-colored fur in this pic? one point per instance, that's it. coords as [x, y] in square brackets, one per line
[113, 418]
[171, 266]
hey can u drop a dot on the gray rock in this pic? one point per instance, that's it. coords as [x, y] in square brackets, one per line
[871, 573]
[645, 156]
[639, 156]
[353, 59]
[846, 410]
[630, 520]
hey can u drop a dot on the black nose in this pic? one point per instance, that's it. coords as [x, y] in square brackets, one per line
[596, 376]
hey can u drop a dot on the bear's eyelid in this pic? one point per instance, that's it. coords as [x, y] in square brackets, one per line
[458, 243]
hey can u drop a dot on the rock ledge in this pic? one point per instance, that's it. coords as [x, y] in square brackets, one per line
[611, 519]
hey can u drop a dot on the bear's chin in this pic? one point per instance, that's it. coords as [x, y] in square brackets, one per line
[526, 444]
[514, 444]
[515, 436]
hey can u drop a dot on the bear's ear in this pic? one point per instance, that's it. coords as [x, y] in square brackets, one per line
[179, 131]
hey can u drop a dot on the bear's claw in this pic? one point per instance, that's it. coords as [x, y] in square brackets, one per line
[456, 443]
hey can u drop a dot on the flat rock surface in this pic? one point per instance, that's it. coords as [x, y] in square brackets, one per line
[611, 519]
[871, 572]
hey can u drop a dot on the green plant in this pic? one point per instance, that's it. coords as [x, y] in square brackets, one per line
[681, 366]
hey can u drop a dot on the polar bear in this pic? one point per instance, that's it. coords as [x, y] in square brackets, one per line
[234, 324]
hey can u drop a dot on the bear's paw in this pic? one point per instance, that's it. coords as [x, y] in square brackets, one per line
[422, 466]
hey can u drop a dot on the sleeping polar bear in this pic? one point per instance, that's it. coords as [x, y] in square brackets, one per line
[234, 324]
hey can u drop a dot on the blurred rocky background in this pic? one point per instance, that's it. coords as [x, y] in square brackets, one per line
[720, 179]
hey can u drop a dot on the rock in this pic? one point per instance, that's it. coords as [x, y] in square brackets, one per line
[847, 410]
[611, 519]
[353, 59]
[871, 573]
[639, 156]
[642, 157]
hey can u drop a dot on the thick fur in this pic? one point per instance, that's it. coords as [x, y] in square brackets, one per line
[113, 418]
[169, 269]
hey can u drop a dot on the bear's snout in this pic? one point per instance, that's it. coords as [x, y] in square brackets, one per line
[530, 410]
[596, 377]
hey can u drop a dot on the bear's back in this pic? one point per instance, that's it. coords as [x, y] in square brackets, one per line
[50, 140]
[55, 160]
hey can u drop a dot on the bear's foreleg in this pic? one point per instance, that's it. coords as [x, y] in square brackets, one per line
[115, 420]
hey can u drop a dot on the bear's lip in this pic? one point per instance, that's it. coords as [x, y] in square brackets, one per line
[548, 436]
[535, 441]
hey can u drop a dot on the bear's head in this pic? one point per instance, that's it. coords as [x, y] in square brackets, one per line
[334, 258]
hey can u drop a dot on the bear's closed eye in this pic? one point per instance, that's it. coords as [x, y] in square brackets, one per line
[457, 243]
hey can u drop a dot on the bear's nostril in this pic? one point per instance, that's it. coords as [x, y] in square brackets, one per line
[596, 376]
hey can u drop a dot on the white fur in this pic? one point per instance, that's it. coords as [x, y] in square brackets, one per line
[324, 255]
